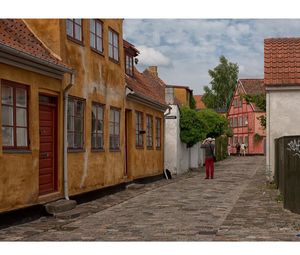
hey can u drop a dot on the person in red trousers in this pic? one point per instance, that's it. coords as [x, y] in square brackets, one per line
[209, 157]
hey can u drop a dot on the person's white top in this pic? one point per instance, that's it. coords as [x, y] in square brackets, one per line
[243, 146]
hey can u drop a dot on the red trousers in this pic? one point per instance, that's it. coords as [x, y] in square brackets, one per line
[209, 167]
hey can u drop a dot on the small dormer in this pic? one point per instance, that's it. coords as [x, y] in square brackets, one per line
[130, 52]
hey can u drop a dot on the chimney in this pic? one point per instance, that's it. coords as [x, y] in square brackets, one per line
[153, 70]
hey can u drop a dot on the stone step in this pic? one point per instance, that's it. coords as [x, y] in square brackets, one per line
[60, 206]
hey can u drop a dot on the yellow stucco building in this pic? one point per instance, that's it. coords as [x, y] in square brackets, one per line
[68, 119]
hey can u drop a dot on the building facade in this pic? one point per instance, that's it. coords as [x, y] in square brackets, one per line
[65, 111]
[243, 117]
[282, 80]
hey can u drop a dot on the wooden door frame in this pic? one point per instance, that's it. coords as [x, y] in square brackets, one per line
[55, 142]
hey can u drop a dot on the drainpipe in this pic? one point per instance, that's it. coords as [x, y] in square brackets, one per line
[66, 92]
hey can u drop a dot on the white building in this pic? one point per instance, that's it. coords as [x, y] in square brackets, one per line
[282, 80]
[178, 158]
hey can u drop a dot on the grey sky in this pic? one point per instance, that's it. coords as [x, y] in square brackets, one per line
[185, 49]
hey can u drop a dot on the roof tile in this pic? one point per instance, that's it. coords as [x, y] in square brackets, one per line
[15, 34]
[282, 61]
[148, 85]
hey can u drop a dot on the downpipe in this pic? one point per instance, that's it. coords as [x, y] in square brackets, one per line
[66, 101]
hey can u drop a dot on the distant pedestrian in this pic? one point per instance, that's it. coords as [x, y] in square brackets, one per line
[209, 157]
[243, 149]
[228, 149]
[238, 148]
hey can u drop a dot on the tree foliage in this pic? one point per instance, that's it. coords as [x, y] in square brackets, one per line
[195, 126]
[260, 101]
[192, 128]
[192, 102]
[224, 79]
[216, 124]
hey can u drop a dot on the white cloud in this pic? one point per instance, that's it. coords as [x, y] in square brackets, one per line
[193, 46]
[149, 56]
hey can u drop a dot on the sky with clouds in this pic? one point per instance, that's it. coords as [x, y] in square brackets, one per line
[185, 49]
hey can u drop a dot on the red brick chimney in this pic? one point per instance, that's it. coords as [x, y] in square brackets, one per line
[153, 70]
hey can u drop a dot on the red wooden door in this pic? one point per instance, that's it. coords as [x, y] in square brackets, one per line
[48, 145]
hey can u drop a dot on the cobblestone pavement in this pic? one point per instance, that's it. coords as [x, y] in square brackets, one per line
[235, 206]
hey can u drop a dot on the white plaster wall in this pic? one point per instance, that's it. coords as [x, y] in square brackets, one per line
[172, 149]
[178, 158]
[283, 118]
[184, 158]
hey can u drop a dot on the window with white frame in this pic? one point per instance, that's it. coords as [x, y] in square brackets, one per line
[114, 129]
[113, 44]
[97, 126]
[75, 123]
[14, 104]
[96, 35]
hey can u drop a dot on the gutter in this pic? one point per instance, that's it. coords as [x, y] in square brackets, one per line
[66, 101]
[24, 60]
[14, 57]
[130, 94]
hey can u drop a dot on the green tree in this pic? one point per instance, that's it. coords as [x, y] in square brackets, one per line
[192, 128]
[216, 124]
[224, 79]
[192, 102]
[260, 101]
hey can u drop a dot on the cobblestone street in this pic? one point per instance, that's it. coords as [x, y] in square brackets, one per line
[235, 206]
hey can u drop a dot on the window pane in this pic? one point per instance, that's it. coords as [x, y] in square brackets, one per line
[7, 115]
[98, 29]
[78, 125]
[100, 141]
[117, 116]
[78, 21]
[92, 25]
[99, 126]
[21, 117]
[7, 95]
[111, 128]
[79, 108]
[117, 141]
[99, 44]
[92, 40]
[94, 119]
[71, 140]
[117, 129]
[94, 141]
[78, 32]
[7, 136]
[22, 137]
[78, 140]
[111, 115]
[111, 141]
[21, 97]
[110, 37]
[116, 54]
[70, 28]
[71, 108]
[110, 51]
[70, 123]
[116, 43]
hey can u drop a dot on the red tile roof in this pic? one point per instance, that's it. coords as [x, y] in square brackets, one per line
[180, 87]
[282, 61]
[253, 86]
[147, 85]
[15, 34]
[199, 102]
